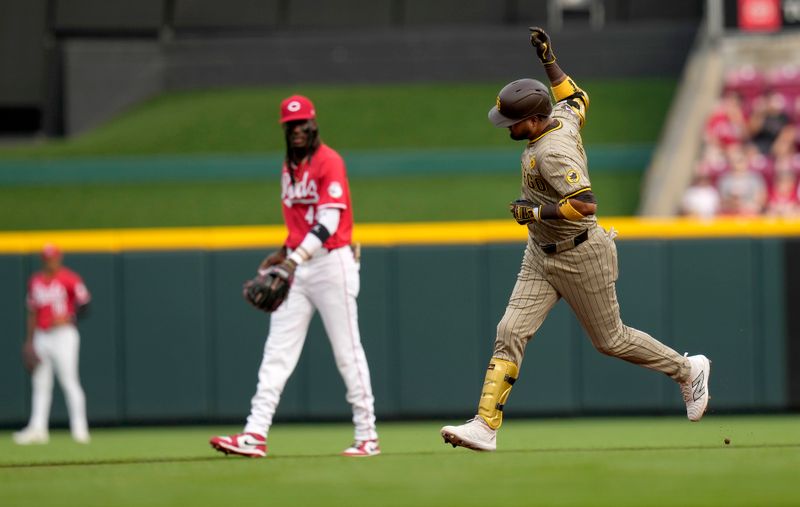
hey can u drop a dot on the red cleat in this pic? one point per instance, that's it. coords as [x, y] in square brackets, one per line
[244, 444]
[362, 449]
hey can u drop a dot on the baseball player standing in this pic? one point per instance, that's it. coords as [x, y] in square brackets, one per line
[567, 254]
[319, 265]
[56, 295]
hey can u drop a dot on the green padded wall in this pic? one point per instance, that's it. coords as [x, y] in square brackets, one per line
[100, 357]
[612, 384]
[169, 338]
[438, 368]
[166, 335]
[713, 311]
[238, 332]
[14, 381]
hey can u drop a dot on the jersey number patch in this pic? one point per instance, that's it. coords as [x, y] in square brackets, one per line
[310, 215]
[535, 183]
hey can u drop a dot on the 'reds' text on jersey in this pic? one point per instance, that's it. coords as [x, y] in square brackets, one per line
[319, 182]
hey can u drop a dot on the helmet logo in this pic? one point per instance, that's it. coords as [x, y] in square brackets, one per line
[498, 102]
[293, 106]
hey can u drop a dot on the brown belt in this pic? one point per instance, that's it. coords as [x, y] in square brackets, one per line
[561, 246]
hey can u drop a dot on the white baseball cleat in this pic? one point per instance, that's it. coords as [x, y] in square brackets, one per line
[82, 438]
[475, 434]
[28, 436]
[252, 445]
[695, 390]
[362, 449]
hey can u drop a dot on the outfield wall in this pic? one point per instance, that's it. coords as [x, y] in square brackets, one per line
[169, 338]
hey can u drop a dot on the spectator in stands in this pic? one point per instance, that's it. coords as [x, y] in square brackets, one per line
[701, 199]
[757, 161]
[727, 124]
[783, 200]
[713, 162]
[788, 163]
[742, 191]
[770, 126]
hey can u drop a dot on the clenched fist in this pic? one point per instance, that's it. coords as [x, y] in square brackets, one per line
[524, 211]
[541, 42]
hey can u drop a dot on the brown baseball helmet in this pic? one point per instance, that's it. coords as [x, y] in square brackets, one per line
[519, 100]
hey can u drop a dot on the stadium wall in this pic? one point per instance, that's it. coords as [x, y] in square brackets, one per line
[169, 339]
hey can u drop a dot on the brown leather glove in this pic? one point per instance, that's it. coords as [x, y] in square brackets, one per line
[272, 259]
[269, 290]
[29, 357]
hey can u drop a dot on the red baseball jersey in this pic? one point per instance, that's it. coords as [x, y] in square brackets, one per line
[56, 297]
[319, 183]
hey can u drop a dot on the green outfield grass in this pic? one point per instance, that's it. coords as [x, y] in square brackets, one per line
[380, 117]
[619, 462]
[413, 198]
[370, 117]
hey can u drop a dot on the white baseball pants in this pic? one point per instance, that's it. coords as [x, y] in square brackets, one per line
[329, 283]
[57, 349]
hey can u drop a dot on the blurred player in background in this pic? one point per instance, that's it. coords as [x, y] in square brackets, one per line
[568, 255]
[56, 296]
[323, 273]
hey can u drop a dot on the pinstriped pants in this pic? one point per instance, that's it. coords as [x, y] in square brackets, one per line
[585, 276]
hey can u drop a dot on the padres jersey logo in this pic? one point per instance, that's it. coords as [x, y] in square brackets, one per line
[572, 176]
[533, 162]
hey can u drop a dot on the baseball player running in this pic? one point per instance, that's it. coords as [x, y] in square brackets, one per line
[56, 296]
[322, 271]
[567, 254]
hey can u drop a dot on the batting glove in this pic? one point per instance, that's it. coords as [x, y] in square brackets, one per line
[524, 211]
[541, 42]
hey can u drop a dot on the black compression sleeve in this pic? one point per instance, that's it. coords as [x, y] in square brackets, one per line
[321, 232]
[586, 197]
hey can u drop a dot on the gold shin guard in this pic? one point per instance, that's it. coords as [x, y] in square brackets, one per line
[500, 376]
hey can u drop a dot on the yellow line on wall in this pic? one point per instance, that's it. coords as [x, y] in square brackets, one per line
[379, 234]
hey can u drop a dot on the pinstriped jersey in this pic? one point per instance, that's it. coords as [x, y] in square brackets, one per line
[554, 166]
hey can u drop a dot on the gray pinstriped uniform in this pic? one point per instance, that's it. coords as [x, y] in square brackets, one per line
[554, 166]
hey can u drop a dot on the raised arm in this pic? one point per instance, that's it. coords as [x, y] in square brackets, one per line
[563, 86]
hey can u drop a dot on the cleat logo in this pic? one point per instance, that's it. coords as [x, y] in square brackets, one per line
[697, 386]
[251, 441]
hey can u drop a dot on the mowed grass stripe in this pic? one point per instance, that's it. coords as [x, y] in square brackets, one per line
[272, 457]
[391, 199]
[569, 462]
[351, 117]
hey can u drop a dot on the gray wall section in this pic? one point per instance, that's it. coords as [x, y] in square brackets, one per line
[168, 337]
[108, 14]
[22, 28]
[189, 44]
[420, 54]
[340, 14]
[232, 14]
[104, 78]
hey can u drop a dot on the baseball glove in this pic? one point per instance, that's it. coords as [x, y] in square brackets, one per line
[29, 357]
[269, 289]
